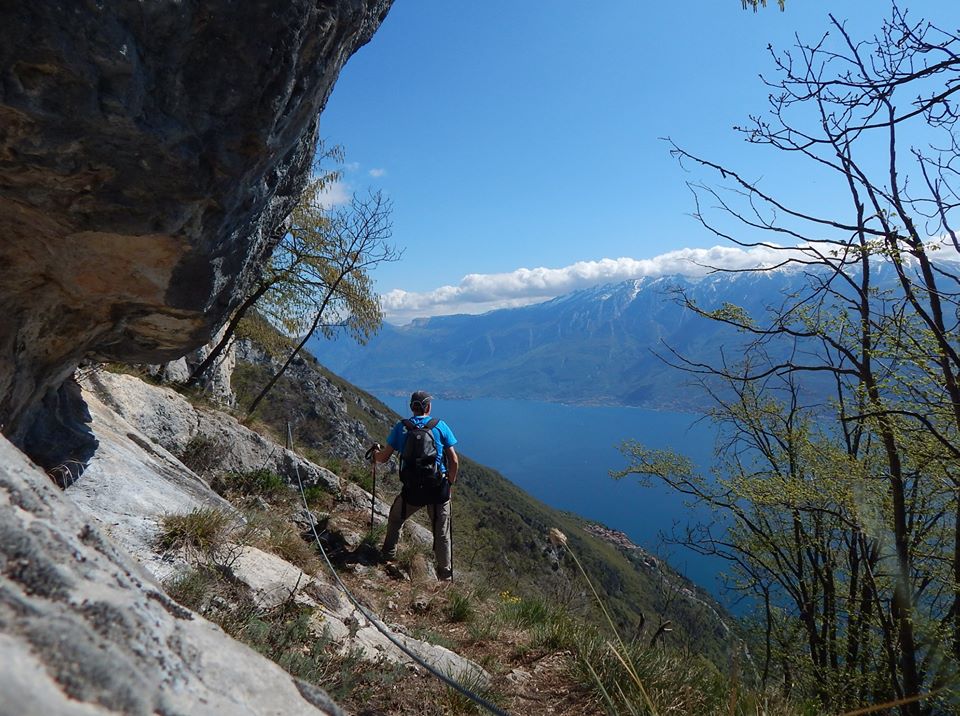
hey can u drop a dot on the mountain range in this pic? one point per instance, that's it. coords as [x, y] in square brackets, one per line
[611, 344]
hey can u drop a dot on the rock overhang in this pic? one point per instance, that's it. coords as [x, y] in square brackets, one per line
[149, 152]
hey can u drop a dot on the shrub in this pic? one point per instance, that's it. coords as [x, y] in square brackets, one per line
[263, 483]
[202, 454]
[374, 537]
[272, 533]
[484, 630]
[318, 498]
[205, 529]
[472, 680]
[526, 613]
[191, 588]
[557, 633]
[361, 475]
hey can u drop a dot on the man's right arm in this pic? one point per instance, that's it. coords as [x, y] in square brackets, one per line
[383, 454]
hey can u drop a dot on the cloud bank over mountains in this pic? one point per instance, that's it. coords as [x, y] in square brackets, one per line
[477, 293]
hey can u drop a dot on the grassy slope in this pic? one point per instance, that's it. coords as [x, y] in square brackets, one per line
[501, 532]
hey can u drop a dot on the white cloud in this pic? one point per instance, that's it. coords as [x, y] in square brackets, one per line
[334, 194]
[477, 293]
[377, 172]
[352, 166]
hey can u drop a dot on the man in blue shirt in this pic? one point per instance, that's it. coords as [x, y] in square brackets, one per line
[434, 494]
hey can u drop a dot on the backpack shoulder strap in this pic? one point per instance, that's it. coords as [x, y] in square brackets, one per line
[432, 424]
[409, 424]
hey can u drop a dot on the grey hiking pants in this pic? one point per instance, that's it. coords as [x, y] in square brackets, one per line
[439, 519]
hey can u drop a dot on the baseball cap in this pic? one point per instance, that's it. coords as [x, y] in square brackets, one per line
[420, 398]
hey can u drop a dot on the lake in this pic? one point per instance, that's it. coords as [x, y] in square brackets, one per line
[563, 454]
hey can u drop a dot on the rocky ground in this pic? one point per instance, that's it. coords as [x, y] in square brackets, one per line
[138, 483]
[86, 629]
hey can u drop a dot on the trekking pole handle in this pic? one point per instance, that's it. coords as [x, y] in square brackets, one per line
[369, 456]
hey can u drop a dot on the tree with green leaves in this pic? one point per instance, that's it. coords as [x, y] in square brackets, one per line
[280, 274]
[841, 516]
[329, 255]
[318, 277]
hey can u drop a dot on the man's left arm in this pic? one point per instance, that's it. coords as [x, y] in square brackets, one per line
[453, 463]
[450, 458]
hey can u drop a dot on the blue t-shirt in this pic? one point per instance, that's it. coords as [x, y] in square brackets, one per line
[443, 437]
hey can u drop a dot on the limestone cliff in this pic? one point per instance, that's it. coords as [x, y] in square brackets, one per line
[87, 631]
[148, 152]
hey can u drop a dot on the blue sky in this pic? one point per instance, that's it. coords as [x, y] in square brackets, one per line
[526, 135]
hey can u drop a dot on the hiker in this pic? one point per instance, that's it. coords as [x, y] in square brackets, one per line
[428, 469]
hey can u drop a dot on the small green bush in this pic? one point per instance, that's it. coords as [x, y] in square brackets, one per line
[374, 537]
[475, 681]
[527, 613]
[272, 533]
[557, 633]
[191, 588]
[263, 483]
[318, 498]
[484, 630]
[361, 475]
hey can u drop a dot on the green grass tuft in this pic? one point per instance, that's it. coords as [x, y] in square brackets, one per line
[527, 613]
[204, 529]
[459, 608]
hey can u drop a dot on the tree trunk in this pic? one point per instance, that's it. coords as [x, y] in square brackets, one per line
[228, 334]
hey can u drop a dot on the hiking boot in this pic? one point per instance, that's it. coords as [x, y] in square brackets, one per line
[444, 575]
[394, 571]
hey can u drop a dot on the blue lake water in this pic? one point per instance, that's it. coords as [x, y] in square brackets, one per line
[563, 455]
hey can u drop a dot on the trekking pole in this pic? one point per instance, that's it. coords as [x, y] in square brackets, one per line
[373, 495]
[372, 457]
[451, 532]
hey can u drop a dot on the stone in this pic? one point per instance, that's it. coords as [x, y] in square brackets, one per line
[422, 570]
[150, 154]
[169, 420]
[131, 482]
[85, 630]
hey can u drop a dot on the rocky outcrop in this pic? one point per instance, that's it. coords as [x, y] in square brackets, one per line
[215, 382]
[122, 408]
[170, 421]
[319, 400]
[85, 630]
[133, 481]
[148, 154]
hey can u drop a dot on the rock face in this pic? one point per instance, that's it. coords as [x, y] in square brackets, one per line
[319, 399]
[168, 425]
[133, 480]
[87, 631]
[173, 423]
[148, 152]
